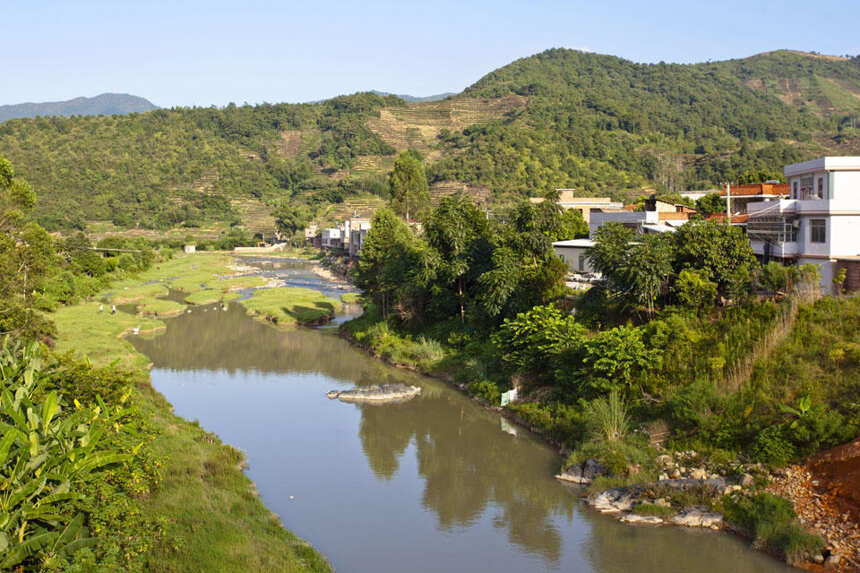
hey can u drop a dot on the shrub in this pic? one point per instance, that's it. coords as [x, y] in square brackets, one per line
[607, 418]
[770, 520]
[486, 390]
[770, 447]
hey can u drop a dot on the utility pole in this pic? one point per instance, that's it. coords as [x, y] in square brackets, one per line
[728, 203]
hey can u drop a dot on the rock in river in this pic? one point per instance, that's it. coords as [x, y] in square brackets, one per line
[376, 393]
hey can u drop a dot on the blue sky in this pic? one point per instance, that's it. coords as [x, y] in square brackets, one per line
[204, 53]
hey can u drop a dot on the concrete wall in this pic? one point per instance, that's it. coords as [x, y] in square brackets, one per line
[574, 258]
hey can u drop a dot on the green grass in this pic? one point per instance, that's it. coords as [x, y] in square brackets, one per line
[213, 519]
[351, 298]
[209, 296]
[216, 520]
[653, 509]
[159, 307]
[97, 336]
[289, 306]
[129, 291]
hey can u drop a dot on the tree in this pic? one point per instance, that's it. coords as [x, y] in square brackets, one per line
[407, 184]
[645, 269]
[720, 251]
[694, 290]
[291, 219]
[458, 231]
[711, 203]
[394, 264]
[532, 339]
[611, 243]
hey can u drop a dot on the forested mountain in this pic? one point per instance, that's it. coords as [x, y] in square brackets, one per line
[104, 104]
[561, 118]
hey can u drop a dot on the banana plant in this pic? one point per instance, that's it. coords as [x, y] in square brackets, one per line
[46, 452]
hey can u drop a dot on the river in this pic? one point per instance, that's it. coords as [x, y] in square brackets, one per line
[430, 485]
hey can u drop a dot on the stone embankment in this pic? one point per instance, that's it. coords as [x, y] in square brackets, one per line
[376, 394]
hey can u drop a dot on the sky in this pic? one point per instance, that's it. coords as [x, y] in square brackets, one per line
[184, 53]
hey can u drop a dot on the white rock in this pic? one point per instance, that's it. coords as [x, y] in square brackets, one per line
[693, 517]
[641, 519]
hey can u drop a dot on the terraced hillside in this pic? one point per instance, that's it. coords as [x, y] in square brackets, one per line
[561, 118]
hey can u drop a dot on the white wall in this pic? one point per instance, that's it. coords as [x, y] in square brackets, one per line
[571, 257]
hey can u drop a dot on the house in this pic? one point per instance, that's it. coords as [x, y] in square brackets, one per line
[358, 228]
[584, 205]
[658, 217]
[332, 238]
[818, 223]
[574, 254]
[741, 196]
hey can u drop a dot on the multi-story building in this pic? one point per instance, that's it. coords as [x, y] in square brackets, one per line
[819, 223]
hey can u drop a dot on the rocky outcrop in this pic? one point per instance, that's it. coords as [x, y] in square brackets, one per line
[583, 473]
[376, 393]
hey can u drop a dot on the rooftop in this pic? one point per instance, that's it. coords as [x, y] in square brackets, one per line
[587, 243]
[758, 190]
[845, 163]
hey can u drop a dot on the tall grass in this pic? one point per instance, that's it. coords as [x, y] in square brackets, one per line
[608, 418]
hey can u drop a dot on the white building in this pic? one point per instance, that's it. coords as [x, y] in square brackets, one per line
[574, 254]
[357, 232]
[819, 223]
[332, 238]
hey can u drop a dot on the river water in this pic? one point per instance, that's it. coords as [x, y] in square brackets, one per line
[436, 484]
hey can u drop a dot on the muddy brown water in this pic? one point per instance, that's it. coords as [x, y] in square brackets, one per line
[435, 484]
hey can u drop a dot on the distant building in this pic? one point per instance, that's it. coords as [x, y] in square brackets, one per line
[819, 223]
[574, 254]
[357, 228]
[584, 205]
[332, 238]
[742, 195]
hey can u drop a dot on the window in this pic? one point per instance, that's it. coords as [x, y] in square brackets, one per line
[794, 190]
[806, 191]
[821, 187]
[582, 263]
[818, 231]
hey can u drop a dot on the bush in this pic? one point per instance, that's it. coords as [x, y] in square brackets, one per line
[770, 521]
[771, 447]
[607, 418]
[486, 390]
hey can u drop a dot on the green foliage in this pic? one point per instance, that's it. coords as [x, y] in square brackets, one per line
[607, 418]
[58, 453]
[614, 360]
[653, 509]
[694, 290]
[775, 277]
[487, 390]
[770, 520]
[711, 203]
[533, 340]
[407, 185]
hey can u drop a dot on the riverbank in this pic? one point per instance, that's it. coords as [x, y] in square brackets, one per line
[208, 511]
[561, 426]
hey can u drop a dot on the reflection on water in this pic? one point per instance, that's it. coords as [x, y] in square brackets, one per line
[433, 484]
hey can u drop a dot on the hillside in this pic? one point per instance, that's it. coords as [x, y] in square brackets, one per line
[103, 104]
[561, 118]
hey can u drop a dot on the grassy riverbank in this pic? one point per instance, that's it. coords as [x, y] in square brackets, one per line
[207, 511]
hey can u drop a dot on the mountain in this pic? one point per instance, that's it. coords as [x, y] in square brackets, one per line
[104, 104]
[561, 118]
[412, 99]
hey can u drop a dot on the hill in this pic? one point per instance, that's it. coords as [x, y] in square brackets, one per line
[104, 104]
[410, 99]
[561, 118]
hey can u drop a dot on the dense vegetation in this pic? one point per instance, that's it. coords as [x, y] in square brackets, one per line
[596, 123]
[97, 474]
[687, 335]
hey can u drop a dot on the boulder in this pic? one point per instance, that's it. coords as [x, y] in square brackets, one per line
[698, 517]
[583, 473]
[640, 519]
[592, 469]
[376, 393]
[699, 473]
[747, 480]
[614, 500]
